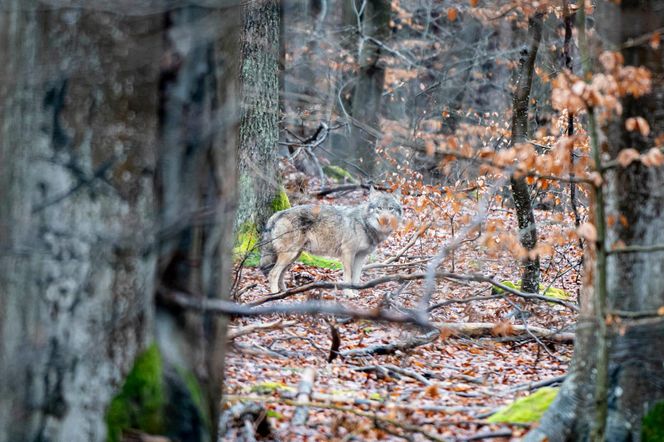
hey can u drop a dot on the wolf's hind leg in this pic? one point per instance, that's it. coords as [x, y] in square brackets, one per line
[276, 276]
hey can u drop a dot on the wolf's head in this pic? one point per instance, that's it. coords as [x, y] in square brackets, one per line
[384, 211]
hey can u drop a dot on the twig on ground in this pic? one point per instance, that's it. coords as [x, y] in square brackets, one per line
[304, 396]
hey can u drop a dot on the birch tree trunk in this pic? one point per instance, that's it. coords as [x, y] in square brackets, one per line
[635, 281]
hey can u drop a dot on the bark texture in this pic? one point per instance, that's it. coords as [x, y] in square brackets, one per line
[199, 120]
[79, 118]
[520, 189]
[259, 129]
[92, 96]
[635, 281]
[368, 91]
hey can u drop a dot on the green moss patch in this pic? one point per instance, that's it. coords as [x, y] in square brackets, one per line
[141, 401]
[319, 261]
[527, 409]
[339, 174]
[551, 291]
[280, 201]
[270, 387]
[245, 245]
[652, 426]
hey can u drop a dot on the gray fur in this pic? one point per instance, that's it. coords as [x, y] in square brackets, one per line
[348, 233]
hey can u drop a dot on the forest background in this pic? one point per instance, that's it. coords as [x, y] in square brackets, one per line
[145, 143]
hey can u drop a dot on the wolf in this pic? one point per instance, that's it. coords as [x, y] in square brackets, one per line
[347, 233]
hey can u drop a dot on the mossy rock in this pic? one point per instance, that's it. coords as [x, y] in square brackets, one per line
[652, 425]
[526, 409]
[339, 174]
[551, 291]
[141, 401]
[319, 261]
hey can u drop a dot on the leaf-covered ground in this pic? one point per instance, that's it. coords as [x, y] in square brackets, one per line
[446, 388]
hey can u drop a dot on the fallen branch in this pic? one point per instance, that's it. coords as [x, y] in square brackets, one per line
[257, 350]
[236, 332]
[244, 419]
[304, 396]
[530, 386]
[480, 329]
[386, 349]
[487, 435]
[387, 368]
[368, 415]
[353, 400]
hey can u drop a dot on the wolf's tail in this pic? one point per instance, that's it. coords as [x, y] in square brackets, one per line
[268, 252]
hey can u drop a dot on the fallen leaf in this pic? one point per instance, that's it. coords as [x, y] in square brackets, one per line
[627, 156]
[503, 328]
[452, 14]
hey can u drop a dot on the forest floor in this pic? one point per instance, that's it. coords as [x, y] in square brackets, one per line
[443, 389]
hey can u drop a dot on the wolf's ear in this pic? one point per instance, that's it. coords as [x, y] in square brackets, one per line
[397, 193]
[372, 191]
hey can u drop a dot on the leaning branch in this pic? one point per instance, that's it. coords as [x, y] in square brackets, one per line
[327, 285]
[637, 249]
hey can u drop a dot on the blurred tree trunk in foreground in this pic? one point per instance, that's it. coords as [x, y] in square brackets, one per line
[79, 120]
[635, 281]
[259, 129]
[82, 120]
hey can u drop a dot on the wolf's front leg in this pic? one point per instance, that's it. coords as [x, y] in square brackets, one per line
[347, 260]
[358, 263]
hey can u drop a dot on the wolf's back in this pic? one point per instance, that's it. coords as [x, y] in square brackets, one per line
[268, 252]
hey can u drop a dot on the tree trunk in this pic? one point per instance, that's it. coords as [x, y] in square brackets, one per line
[635, 281]
[259, 129]
[366, 102]
[196, 181]
[85, 114]
[520, 189]
[79, 119]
